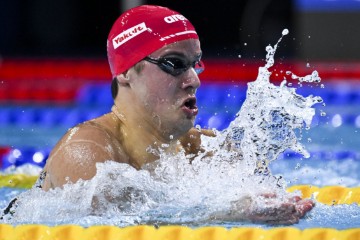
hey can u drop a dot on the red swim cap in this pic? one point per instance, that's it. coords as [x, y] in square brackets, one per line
[142, 30]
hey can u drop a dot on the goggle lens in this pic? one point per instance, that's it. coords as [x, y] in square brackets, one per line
[176, 66]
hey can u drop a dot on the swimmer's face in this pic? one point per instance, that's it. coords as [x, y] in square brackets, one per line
[169, 99]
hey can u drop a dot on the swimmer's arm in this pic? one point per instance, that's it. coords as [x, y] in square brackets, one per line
[73, 161]
[266, 208]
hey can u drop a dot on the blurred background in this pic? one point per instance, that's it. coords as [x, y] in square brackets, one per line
[319, 29]
[54, 72]
[80, 28]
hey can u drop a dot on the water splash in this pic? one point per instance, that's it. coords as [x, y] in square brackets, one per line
[267, 122]
[234, 166]
[313, 77]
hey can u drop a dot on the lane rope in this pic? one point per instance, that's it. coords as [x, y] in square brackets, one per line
[74, 232]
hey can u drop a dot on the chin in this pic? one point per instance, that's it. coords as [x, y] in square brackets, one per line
[188, 124]
[181, 127]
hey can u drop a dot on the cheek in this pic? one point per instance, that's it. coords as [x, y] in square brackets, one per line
[157, 91]
[162, 94]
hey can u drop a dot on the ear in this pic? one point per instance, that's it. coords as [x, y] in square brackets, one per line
[123, 78]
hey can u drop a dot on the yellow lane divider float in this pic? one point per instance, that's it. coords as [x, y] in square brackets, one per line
[17, 180]
[328, 195]
[74, 232]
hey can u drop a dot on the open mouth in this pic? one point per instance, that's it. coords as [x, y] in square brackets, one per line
[189, 107]
[190, 103]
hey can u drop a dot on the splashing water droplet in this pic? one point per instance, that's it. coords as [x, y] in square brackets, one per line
[163, 145]
[285, 32]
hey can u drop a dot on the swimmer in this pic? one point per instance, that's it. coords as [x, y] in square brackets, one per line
[155, 57]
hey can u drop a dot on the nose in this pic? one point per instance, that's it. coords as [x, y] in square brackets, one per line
[191, 80]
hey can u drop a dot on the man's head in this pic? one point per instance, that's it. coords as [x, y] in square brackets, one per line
[141, 31]
[155, 68]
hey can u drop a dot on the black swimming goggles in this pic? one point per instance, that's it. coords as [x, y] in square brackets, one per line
[176, 66]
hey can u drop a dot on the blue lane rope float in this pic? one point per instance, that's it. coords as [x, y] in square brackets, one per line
[210, 116]
[223, 99]
[26, 155]
[221, 93]
[218, 93]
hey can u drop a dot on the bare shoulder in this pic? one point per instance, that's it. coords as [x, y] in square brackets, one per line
[191, 141]
[91, 134]
[75, 156]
